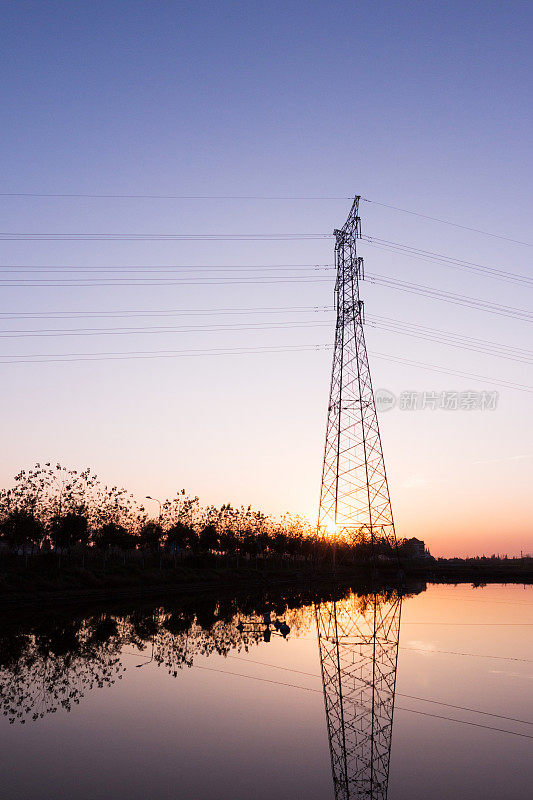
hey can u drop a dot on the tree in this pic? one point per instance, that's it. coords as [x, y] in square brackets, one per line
[69, 529]
[20, 527]
[150, 536]
[280, 542]
[249, 543]
[181, 535]
[209, 538]
[72, 507]
[228, 541]
[113, 535]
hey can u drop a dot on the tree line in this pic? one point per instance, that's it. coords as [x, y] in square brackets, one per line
[51, 507]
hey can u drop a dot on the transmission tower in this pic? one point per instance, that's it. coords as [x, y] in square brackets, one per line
[354, 497]
[358, 644]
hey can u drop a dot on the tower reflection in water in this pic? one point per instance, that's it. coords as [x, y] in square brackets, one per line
[358, 644]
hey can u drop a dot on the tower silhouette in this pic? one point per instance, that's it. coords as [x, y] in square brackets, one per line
[354, 497]
[358, 645]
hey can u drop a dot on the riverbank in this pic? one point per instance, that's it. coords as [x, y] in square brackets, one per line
[477, 571]
[37, 582]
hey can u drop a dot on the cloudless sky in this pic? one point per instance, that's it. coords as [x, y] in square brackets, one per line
[425, 106]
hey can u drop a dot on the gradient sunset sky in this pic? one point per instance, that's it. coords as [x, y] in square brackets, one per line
[426, 106]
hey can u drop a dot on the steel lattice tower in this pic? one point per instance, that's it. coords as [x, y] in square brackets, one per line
[354, 498]
[358, 644]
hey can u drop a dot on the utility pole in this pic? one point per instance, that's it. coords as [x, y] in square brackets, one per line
[354, 498]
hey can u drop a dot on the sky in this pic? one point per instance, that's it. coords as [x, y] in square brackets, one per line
[421, 106]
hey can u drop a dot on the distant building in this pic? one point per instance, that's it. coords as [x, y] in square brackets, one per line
[414, 548]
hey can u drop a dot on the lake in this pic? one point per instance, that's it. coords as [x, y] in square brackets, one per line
[420, 693]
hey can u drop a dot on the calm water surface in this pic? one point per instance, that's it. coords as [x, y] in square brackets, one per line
[198, 699]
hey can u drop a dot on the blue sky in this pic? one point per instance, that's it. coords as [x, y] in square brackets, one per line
[426, 106]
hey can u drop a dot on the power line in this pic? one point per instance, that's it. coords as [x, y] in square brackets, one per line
[120, 282]
[465, 708]
[452, 339]
[377, 279]
[173, 196]
[144, 330]
[468, 655]
[394, 247]
[490, 600]
[166, 268]
[394, 326]
[400, 708]
[435, 368]
[447, 222]
[139, 237]
[426, 651]
[380, 280]
[465, 722]
[73, 195]
[483, 624]
[398, 694]
[404, 324]
[163, 312]
[140, 354]
[240, 311]
[399, 248]
[450, 297]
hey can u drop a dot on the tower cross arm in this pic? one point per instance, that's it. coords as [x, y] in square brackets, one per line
[352, 227]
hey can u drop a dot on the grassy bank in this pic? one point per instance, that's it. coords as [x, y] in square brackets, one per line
[47, 579]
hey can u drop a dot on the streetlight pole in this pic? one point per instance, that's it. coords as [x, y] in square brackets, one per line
[160, 525]
[160, 506]
[153, 637]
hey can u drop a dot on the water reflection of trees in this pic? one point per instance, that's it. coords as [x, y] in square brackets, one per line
[43, 671]
[213, 630]
[176, 649]
[50, 664]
